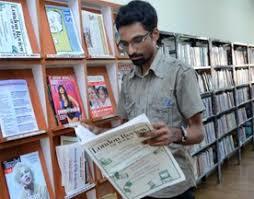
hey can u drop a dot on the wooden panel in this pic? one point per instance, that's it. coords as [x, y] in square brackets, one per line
[59, 189]
[29, 27]
[104, 189]
[25, 140]
[17, 151]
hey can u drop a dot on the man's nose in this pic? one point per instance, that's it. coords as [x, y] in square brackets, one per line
[131, 50]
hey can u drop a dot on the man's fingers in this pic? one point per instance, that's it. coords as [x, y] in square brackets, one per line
[155, 133]
[165, 139]
[158, 125]
[162, 143]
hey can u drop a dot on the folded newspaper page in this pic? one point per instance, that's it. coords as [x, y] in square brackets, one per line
[134, 169]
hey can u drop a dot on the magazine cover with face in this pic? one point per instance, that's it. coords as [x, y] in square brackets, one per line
[99, 97]
[66, 99]
[24, 177]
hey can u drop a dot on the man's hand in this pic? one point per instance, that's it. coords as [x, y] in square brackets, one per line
[162, 135]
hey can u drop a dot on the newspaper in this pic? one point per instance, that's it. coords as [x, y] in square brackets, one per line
[134, 169]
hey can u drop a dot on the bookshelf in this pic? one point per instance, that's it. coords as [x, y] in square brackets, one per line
[213, 60]
[225, 75]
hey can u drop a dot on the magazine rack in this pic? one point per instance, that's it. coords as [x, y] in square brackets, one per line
[36, 68]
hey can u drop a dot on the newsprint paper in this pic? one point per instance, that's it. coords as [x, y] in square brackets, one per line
[133, 168]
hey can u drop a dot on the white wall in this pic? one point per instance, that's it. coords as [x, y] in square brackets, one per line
[231, 20]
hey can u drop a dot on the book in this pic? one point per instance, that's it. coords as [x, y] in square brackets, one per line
[13, 33]
[219, 56]
[25, 178]
[100, 105]
[95, 34]
[66, 99]
[168, 46]
[16, 110]
[193, 56]
[63, 30]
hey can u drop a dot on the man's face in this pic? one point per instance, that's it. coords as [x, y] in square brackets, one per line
[139, 43]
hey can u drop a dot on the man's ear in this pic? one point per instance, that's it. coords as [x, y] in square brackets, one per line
[155, 35]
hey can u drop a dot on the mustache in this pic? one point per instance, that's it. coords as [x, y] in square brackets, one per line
[135, 55]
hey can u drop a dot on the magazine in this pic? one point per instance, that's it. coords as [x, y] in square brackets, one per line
[95, 34]
[25, 178]
[16, 110]
[74, 167]
[100, 105]
[64, 140]
[66, 99]
[13, 34]
[134, 169]
[63, 30]
[123, 69]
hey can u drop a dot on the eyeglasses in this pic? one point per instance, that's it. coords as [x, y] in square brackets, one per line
[135, 42]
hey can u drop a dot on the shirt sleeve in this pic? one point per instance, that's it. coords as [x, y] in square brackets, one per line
[188, 94]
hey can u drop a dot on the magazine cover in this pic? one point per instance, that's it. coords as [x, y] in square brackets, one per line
[95, 34]
[66, 99]
[24, 177]
[123, 68]
[98, 96]
[13, 34]
[63, 30]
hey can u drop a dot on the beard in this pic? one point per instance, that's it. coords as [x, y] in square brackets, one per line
[138, 59]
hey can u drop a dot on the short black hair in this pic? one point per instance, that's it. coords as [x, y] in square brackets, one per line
[137, 11]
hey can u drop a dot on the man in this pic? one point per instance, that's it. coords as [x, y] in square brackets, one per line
[163, 88]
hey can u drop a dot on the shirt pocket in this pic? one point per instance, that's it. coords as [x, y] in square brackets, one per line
[159, 113]
[130, 109]
[162, 107]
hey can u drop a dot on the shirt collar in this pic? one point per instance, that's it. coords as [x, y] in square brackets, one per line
[155, 66]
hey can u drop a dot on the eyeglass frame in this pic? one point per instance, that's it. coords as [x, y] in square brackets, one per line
[133, 43]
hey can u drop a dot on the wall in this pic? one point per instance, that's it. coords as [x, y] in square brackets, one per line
[231, 20]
